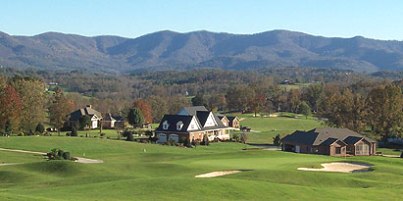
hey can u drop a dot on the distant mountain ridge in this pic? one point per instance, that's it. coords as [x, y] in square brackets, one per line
[171, 50]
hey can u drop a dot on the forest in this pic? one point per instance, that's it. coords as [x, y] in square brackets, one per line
[362, 102]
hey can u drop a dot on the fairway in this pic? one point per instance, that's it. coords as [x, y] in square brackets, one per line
[265, 128]
[133, 171]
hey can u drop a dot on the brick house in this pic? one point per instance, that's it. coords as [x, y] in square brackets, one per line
[329, 141]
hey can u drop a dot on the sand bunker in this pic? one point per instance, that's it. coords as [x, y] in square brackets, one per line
[340, 167]
[217, 174]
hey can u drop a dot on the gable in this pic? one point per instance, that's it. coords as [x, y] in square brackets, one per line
[193, 125]
[210, 122]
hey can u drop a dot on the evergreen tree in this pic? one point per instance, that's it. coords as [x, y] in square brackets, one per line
[40, 128]
[135, 117]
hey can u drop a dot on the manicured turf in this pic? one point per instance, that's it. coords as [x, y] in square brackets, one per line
[134, 171]
[265, 128]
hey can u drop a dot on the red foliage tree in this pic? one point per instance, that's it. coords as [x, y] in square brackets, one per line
[145, 108]
[10, 107]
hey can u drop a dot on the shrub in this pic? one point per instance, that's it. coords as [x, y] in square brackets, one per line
[66, 155]
[276, 140]
[235, 137]
[205, 141]
[73, 132]
[129, 136]
[58, 154]
[186, 143]
[40, 128]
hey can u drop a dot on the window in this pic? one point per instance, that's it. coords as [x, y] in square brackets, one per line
[179, 125]
[338, 150]
[165, 125]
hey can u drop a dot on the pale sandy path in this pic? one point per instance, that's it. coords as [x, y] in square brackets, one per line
[339, 167]
[79, 159]
[217, 174]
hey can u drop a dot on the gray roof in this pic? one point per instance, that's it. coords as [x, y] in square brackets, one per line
[193, 110]
[173, 120]
[319, 136]
[75, 116]
[109, 117]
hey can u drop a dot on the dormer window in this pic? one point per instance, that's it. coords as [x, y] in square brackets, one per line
[179, 125]
[165, 125]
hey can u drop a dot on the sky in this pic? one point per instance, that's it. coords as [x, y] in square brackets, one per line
[379, 19]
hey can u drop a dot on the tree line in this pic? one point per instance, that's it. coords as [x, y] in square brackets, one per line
[345, 99]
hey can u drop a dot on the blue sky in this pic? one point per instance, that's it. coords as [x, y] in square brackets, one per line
[381, 19]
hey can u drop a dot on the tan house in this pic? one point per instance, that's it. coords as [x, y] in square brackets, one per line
[95, 116]
[233, 121]
[329, 141]
[191, 123]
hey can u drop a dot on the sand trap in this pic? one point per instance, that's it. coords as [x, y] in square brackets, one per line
[87, 160]
[217, 174]
[340, 167]
[79, 159]
[5, 164]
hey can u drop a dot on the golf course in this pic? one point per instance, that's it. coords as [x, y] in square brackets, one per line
[137, 171]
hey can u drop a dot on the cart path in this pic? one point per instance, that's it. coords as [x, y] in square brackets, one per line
[79, 159]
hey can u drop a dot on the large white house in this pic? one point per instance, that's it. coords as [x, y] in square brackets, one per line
[192, 123]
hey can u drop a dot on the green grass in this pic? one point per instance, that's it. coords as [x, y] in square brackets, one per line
[265, 128]
[167, 173]
[133, 171]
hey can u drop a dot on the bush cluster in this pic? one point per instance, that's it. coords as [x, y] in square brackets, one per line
[58, 154]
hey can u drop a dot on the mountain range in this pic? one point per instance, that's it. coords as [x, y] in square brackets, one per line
[171, 50]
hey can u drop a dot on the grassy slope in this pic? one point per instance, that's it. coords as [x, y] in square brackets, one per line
[164, 172]
[167, 173]
[268, 127]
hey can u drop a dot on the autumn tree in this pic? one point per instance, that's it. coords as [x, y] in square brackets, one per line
[238, 98]
[11, 108]
[294, 100]
[145, 109]
[385, 114]
[257, 100]
[59, 108]
[345, 109]
[304, 109]
[33, 98]
[312, 94]
[159, 107]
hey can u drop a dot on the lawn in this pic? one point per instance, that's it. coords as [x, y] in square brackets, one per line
[133, 171]
[265, 128]
[154, 172]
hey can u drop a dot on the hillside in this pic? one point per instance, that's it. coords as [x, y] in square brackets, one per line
[171, 50]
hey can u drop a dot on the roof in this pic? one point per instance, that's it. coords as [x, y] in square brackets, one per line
[231, 118]
[76, 115]
[172, 120]
[109, 117]
[193, 110]
[202, 116]
[324, 136]
[352, 139]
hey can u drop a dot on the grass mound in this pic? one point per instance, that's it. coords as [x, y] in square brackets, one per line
[62, 168]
